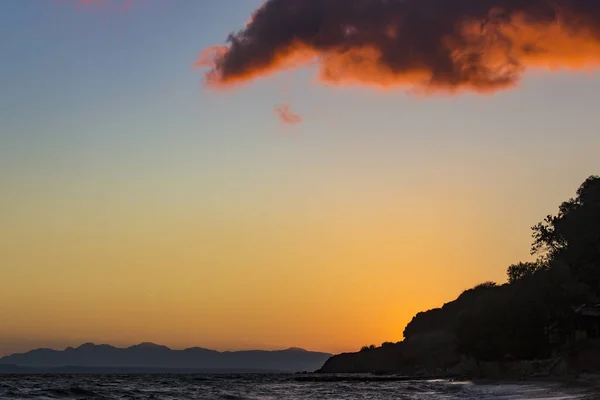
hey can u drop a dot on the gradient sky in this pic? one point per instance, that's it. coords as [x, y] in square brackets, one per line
[135, 205]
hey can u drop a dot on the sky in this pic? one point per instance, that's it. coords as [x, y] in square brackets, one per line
[142, 201]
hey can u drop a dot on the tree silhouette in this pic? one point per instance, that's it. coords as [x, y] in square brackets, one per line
[573, 235]
[510, 321]
[522, 270]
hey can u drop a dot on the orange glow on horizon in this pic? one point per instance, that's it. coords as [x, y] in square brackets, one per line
[302, 274]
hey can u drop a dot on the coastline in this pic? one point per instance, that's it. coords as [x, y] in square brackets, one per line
[583, 387]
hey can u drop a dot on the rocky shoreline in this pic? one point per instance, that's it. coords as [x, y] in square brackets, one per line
[440, 360]
[466, 369]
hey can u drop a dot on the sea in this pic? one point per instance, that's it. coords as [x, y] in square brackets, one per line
[268, 387]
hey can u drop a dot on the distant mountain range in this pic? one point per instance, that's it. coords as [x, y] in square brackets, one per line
[150, 357]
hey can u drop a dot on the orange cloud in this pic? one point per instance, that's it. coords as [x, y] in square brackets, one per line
[430, 45]
[286, 115]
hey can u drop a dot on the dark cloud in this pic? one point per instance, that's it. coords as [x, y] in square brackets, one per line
[477, 45]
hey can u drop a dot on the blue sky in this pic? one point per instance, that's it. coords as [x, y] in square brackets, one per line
[87, 82]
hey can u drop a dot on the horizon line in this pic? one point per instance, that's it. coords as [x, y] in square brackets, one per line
[156, 345]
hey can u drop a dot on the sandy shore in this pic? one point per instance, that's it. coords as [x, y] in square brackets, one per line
[584, 387]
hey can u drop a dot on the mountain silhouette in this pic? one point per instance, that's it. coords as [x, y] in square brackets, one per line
[146, 356]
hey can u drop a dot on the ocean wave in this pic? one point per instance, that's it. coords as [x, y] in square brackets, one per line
[263, 387]
[72, 392]
[231, 396]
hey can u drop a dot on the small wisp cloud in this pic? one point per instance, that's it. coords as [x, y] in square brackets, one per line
[287, 115]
